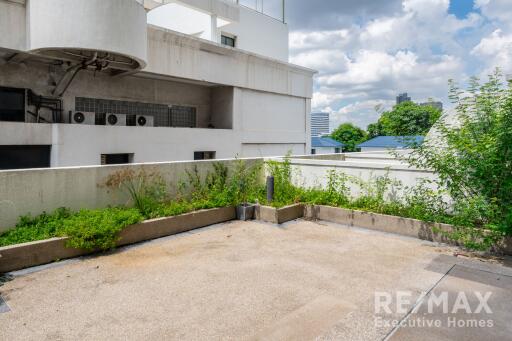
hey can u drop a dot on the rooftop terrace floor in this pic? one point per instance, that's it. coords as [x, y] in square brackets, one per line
[248, 280]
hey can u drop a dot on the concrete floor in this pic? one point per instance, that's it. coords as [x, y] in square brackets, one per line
[237, 281]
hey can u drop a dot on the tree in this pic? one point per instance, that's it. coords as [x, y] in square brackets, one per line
[406, 119]
[472, 157]
[350, 136]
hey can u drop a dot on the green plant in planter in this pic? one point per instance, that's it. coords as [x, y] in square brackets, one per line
[147, 189]
[97, 229]
[285, 192]
[244, 182]
[29, 229]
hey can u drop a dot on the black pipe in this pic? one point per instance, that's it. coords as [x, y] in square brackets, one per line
[270, 189]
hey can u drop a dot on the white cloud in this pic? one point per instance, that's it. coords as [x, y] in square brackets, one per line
[496, 9]
[415, 48]
[495, 50]
[325, 61]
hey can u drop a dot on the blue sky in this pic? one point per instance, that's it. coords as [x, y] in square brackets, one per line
[367, 51]
[461, 8]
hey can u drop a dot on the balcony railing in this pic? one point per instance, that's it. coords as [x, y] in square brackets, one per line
[273, 8]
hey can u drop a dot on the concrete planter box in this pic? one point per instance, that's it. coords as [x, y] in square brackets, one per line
[380, 222]
[386, 223]
[245, 212]
[279, 215]
[16, 257]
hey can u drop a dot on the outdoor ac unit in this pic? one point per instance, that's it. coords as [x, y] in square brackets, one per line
[116, 120]
[145, 121]
[81, 117]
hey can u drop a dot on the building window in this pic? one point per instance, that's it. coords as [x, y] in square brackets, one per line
[204, 155]
[22, 157]
[313, 151]
[337, 150]
[12, 104]
[228, 40]
[116, 159]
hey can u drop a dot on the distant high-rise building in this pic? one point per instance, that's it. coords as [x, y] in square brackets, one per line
[402, 98]
[433, 104]
[320, 124]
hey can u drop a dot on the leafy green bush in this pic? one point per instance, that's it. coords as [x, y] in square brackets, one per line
[97, 229]
[87, 229]
[472, 157]
[30, 229]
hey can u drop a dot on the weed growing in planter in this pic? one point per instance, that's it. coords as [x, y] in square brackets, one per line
[30, 229]
[146, 189]
[87, 229]
[98, 229]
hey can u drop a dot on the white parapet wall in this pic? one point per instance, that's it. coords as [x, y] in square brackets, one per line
[34, 191]
[313, 171]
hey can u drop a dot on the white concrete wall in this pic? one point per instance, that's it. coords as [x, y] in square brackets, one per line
[313, 172]
[373, 149]
[117, 26]
[271, 150]
[270, 124]
[13, 25]
[264, 124]
[34, 191]
[78, 145]
[260, 34]
[178, 55]
[254, 31]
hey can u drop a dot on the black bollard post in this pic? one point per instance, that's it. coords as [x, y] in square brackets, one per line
[270, 189]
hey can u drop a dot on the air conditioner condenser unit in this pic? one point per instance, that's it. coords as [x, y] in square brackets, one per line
[116, 120]
[145, 121]
[85, 118]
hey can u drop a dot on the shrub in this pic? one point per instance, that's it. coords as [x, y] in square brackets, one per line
[31, 229]
[473, 160]
[97, 229]
[146, 189]
[285, 192]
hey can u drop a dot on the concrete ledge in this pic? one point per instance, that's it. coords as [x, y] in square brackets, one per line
[380, 222]
[16, 257]
[391, 224]
[279, 215]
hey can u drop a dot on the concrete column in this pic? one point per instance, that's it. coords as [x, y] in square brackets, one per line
[215, 37]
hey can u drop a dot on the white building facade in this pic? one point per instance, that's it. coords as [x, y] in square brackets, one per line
[88, 82]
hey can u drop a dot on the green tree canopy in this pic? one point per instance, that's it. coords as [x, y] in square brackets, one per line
[350, 135]
[406, 119]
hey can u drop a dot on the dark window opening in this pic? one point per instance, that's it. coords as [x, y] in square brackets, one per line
[337, 150]
[116, 159]
[12, 104]
[313, 151]
[228, 41]
[23, 157]
[204, 155]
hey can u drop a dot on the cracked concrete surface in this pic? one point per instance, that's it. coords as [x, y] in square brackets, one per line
[235, 281]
